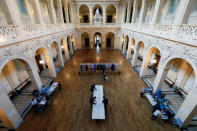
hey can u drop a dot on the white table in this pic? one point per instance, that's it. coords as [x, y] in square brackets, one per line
[98, 110]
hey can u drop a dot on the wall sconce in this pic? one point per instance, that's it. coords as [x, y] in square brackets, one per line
[41, 62]
[132, 46]
[62, 47]
[2, 39]
[154, 61]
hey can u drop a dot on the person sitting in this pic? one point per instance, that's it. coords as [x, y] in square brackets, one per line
[34, 101]
[155, 115]
[44, 90]
[92, 88]
[105, 101]
[145, 90]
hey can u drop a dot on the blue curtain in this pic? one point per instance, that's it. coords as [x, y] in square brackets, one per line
[21, 6]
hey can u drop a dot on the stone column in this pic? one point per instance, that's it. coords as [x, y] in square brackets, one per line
[128, 12]
[37, 12]
[60, 14]
[52, 12]
[51, 65]
[117, 15]
[35, 78]
[91, 16]
[59, 53]
[124, 47]
[136, 52]
[66, 11]
[78, 15]
[184, 9]
[135, 6]
[129, 49]
[143, 11]
[8, 113]
[104, 16]
[160, 77]
[27, 5]
[188, 109]
[123, 14]
[157, 11]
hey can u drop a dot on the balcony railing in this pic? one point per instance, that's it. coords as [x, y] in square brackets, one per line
[188, 31]
[32, 29]
[182, 32]
[11, 32]
[8, 32]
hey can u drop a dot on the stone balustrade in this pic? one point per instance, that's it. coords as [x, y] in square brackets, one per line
[7, 32]
[188, 32]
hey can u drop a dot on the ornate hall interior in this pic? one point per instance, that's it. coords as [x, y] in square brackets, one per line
[141, 53]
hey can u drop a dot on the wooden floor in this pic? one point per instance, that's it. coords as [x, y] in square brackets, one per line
[71, 111]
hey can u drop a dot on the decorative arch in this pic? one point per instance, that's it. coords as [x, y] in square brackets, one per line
[46, 59]
[165, 67]
[84, 14]
[64, 47]
[100, 39]
[111, 14]
[110, 37]
[85, 40]
[23, 68]
[99, 7]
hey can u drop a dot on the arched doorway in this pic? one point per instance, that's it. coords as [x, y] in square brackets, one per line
[122, 42]
[97, 40]
[110, 40]
[73, 42]
[56, 55]
[19, 78]
[130, 51]
[138, 58]
[64, 50]
[84, 14]
[126, 45]
[152, 60]
[70, 48]
[176, 75]
[111, 14]
[85, 40]
[45, 65]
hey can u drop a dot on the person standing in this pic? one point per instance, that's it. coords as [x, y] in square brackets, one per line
[105, 77]
[105, 102]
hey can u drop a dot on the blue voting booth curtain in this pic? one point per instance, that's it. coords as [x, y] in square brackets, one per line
[21, 6]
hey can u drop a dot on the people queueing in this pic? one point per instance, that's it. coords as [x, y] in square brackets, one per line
[105, 102]
[93, 87]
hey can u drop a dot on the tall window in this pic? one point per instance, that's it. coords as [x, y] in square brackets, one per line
[21, 6]
[173, 6]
